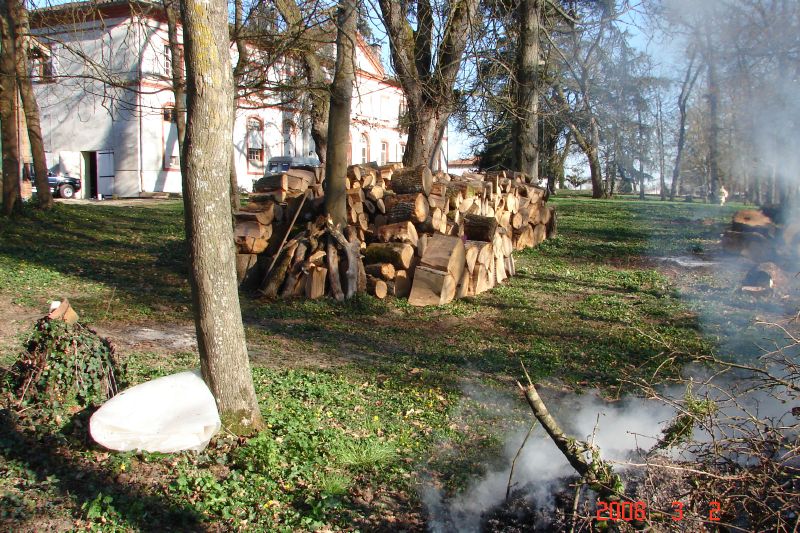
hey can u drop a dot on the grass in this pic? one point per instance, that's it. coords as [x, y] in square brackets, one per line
[362, 399]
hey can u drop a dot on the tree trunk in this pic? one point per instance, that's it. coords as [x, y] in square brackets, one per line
[339, 118]
[661, 163]
[713, 133]
[426, 121]
[595, 168]
[172, 12]
[206, 156]
[31, 108]
[8, 113]
[525, 136]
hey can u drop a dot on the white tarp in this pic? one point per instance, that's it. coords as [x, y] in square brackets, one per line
[166, 415]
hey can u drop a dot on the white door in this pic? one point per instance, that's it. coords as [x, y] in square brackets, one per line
[105, 173]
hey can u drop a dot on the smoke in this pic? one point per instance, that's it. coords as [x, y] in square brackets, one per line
[753, 47]
[622, 430]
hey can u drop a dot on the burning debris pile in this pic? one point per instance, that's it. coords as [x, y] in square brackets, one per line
[431, 238]
[771, 240]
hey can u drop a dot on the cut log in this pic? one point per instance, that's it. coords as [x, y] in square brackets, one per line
[315, 282]
[252, 237]
[412, 180]
[431, 287]
[479, 228]
[271, 182]
[384, 271]
[375, 193]
[398, 232]
[753, 221]
[376, 287]
[401, 207]
[445, 253]
[398, 254]
[500, 269]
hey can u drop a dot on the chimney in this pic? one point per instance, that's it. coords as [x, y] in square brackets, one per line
[376, 49]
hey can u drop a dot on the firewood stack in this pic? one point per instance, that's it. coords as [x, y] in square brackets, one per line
[431, 238]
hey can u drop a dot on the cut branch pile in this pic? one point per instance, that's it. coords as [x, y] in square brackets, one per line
[431, 238]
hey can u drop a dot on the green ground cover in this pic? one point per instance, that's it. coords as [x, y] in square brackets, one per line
[363, 399]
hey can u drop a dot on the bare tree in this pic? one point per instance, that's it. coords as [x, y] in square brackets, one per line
[206, 160]
[29, 104]
[426, 72]
[686, 90]
[8, 111]
[318, 86]
[339, 121]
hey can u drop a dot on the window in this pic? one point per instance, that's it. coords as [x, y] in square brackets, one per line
[288, 144]
[401, 112]
[40, 64]
[167, 60]
[255, 144]
[364, 148]
[401, 150]
[171, 150]
[384, 152]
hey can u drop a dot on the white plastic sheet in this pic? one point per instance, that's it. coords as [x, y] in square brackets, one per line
[168, 414]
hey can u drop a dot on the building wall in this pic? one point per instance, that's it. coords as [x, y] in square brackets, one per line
[82, 116]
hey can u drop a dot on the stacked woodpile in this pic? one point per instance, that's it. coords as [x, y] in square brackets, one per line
[410, 233]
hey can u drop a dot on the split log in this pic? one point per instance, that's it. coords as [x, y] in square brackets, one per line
[376, 287]
[384, 271]
[539, 234]
[479, 228]
[292, 283]
[398, 254]
[422, 244]
[524, 238]
[412, 180]
[277, 274]
[431, 287]
[464, 285]
[334, 280]
[446, 254]
[551, 230]
[398, 232]
[315, 282]
[400, 286]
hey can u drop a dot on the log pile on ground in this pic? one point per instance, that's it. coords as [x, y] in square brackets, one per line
[410, 233]
[770, 239]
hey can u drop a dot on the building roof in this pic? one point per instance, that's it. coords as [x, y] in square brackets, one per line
[468, 162]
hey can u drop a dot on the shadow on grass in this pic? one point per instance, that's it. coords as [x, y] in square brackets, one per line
[83, 482]
[143, 257]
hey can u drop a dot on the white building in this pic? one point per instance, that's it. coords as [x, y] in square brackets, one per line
[105, 95]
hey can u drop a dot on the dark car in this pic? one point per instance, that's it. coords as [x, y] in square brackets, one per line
[279, 164]
[63, 186]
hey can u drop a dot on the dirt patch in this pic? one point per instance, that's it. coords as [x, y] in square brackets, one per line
[14, 320]
[157, 338]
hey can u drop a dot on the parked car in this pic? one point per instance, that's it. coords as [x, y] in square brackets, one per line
[63, 186]
[283, 163]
